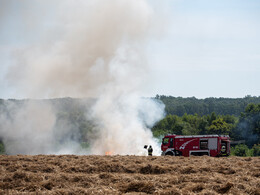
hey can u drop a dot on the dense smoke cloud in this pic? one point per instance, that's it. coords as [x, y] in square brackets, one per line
[27, 128]
[77, 57]
[92, 49]
[32, 127]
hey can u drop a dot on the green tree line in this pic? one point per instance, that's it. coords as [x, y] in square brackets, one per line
[221, 106]
[196, 125]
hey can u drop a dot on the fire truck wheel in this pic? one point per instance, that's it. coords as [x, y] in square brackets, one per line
[170, 153]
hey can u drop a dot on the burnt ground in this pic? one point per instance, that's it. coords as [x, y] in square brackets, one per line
[71, 174]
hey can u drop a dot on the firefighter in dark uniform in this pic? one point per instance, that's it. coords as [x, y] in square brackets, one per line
[150, 151]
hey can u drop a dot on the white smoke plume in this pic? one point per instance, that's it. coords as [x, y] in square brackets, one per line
[24, 131]
[30, 127]
[92, 49]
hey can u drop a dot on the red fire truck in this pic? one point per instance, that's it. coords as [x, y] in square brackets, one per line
[197, 145]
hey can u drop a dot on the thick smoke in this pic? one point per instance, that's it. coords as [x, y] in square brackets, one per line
[25, 129]
[77, 58]
[31, 127]
[92, 49]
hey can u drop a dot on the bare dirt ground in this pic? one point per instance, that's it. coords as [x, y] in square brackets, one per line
[71, 174]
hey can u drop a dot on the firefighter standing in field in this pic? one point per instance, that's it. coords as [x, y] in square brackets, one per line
[150, 151]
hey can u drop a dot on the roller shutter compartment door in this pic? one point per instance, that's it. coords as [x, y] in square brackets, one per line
[213, 143]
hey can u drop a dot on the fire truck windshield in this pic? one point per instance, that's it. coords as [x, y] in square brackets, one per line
[165, 141]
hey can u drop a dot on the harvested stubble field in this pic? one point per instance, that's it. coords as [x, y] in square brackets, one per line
[71, 174]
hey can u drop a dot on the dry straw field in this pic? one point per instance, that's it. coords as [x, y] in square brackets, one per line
[71, 174]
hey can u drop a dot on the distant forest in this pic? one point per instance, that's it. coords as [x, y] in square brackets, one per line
[220, 106]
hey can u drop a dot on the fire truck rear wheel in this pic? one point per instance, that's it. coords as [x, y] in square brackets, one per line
[170, 154]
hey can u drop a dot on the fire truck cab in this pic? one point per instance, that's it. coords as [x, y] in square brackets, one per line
[196, 145]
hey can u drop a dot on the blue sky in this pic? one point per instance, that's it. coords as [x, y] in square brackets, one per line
[208, 48]
[211, 49]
